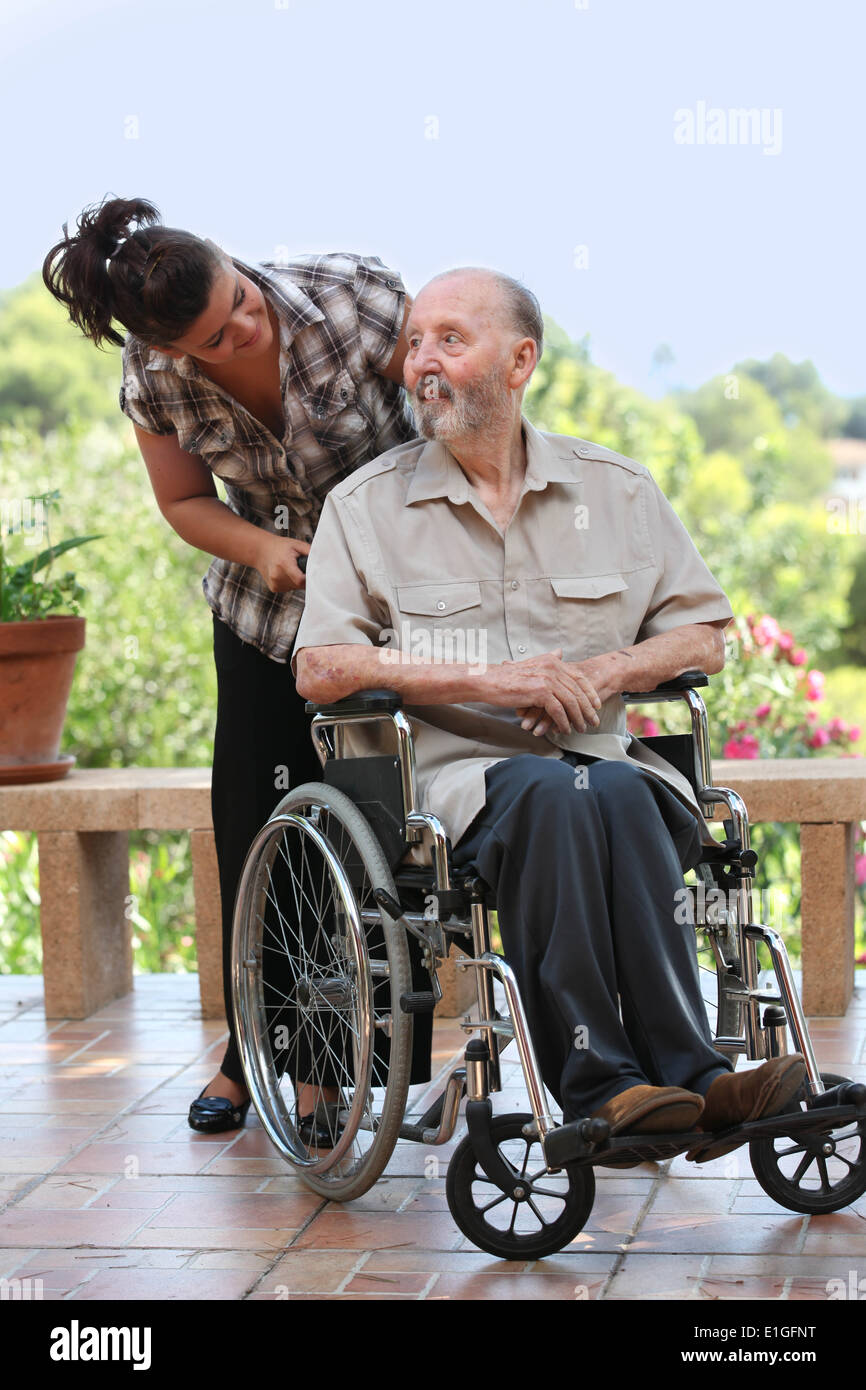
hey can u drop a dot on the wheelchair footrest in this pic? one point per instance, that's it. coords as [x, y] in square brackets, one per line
[570, 1143]
[575, 1140]
[817, 1119]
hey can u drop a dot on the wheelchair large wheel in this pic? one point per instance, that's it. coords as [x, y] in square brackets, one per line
[318, 971]
[553, 1211]
[813, 1173]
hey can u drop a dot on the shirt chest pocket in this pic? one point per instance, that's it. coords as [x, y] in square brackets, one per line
[208, 438]
[591, 613]
[441, 622]
[325, 402]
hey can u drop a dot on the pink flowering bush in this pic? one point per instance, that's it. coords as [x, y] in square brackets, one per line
[768, 698]
[763, 704]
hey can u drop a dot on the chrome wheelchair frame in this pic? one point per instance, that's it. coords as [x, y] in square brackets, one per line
[346, 992]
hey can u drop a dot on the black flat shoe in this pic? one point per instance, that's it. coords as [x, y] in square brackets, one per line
[318, 1130]
[213, 1114]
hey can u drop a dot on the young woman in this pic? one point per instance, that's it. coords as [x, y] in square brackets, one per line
[280, 379]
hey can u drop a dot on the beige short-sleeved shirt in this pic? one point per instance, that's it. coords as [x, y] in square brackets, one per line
[407, 556]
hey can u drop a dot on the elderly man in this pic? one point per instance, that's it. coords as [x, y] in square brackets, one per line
[561, 572]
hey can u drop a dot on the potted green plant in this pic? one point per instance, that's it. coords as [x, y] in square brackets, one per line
[41, 632]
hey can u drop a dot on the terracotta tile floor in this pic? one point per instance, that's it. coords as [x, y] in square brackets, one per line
[106, 1193]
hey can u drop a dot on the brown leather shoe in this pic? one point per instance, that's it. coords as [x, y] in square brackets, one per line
[737, 1097]
[649, 1110]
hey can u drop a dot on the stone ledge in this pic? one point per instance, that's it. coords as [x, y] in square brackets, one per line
[809, 790]
[134, 798]
[806, 790]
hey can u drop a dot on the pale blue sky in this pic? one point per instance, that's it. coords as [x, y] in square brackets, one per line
[305, 124]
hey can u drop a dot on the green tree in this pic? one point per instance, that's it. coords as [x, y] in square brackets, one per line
[853, 634]
[746, 487]
[802, 397]
[855, 421]
[736, 415]
[49, 372]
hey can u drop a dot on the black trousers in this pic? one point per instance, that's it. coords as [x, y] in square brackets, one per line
[261, 728]
[262, 745]
[585, 857]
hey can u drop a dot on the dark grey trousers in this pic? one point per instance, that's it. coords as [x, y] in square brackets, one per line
[585, 856]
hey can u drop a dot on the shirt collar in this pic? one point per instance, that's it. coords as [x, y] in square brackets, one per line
[438, 474]
[294, 310]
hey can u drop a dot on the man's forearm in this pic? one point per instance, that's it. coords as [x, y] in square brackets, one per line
[326, 674]
[658, 659]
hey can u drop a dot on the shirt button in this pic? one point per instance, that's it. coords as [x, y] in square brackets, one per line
[521, 649]
[344, 395]
[441, 604]
[515, 584]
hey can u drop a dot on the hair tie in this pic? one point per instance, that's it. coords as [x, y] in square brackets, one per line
[120, 242]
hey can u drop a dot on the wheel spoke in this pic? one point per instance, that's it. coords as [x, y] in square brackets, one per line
[530, 1203]
[794, 1149]
[826, 1185]
[527, 1147]
[542, 1172]
[846, 1161]
[802, 1168]
[503, 1197]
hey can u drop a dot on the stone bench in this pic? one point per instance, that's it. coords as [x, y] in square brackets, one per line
[83, 822]
[827, 798]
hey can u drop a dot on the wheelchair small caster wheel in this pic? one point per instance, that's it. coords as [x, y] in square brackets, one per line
[814, 1173]
[545, 1212]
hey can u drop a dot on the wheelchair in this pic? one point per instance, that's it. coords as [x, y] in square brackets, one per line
[337, 941]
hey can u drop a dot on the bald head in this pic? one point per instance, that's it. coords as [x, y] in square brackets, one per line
[515, 306]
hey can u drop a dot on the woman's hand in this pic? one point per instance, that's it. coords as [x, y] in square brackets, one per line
[277, 562]
[547, 690]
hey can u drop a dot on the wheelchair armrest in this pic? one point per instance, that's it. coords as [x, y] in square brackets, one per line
[686, 680]
[387, 701]
[362, 702]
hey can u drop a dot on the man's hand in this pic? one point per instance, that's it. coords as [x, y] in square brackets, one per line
[642, 666]
[595, 674]
[546, 689]
[276, 562]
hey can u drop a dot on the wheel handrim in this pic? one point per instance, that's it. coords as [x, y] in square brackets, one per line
[330, 990]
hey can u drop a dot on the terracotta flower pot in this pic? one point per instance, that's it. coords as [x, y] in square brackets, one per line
[37, 662]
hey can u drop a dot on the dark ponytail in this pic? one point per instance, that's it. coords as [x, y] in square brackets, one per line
[155, 281]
